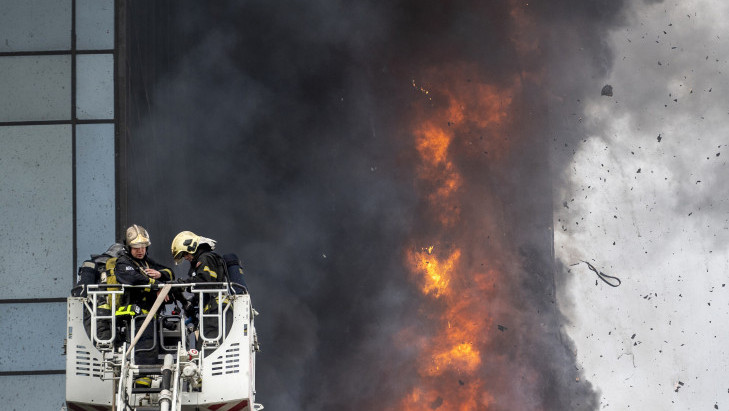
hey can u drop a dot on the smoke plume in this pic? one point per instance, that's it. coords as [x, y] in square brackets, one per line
[301, 135]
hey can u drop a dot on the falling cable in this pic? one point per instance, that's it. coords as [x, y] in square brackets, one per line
[604, 277]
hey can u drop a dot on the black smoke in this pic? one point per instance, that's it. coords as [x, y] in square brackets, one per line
[281, 129]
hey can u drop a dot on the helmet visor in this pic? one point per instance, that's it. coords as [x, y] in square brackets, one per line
[179, 256]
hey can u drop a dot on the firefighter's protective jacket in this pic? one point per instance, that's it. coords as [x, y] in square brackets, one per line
[206, 267]
[130, 270]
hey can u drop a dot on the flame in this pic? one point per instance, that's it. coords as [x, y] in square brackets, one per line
[460, 129]
[451, 125]
[468, 106]
[435, 272]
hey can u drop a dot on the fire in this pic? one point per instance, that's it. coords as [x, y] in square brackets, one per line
[436, 273]
[465, 130]
[467, 106]
[452, 124]
[432, 144]
[461, 357]
[421, 399]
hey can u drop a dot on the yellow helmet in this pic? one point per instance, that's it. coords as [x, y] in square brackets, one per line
[137, 237]
[187, 242]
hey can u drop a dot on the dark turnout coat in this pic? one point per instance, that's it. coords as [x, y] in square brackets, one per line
[130, 270]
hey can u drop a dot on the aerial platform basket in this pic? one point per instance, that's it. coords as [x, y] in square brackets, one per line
[102, 372]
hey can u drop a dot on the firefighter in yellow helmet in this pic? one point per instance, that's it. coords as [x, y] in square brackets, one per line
[135, 267]
[206, 266]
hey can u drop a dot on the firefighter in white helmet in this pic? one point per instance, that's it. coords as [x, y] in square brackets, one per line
[136, 268]
[206, 266]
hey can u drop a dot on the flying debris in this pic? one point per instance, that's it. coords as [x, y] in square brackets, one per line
[607, 279]
[607, 90]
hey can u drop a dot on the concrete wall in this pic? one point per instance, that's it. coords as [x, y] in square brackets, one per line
[57, 190]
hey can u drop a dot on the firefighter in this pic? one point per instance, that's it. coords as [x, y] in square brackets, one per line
[136, 268]
[206, 266]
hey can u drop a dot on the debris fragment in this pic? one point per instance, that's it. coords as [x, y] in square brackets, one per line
[659, 138]
[607, 90]
[604, 277]
[502, 328]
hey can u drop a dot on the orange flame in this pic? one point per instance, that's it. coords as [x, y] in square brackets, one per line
[436, 273]
[461, 126]
[456, 117]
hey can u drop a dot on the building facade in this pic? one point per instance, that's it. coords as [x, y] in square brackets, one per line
[59, 60]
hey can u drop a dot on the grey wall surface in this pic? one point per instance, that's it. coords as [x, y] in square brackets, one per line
[57, 191]
[36, 198]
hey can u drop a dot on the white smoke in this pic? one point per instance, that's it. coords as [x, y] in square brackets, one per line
[646, 201]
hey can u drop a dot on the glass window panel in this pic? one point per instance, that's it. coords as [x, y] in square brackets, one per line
[94, 24]
[35, 88]
[33, 392]
[35, 25]
[36, 225]
[95, 86]
[33, 336]
[95, 192]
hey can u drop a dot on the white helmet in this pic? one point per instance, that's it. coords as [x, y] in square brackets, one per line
[137, 237]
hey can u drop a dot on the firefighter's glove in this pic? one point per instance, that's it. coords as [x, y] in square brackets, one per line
[177, 295]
